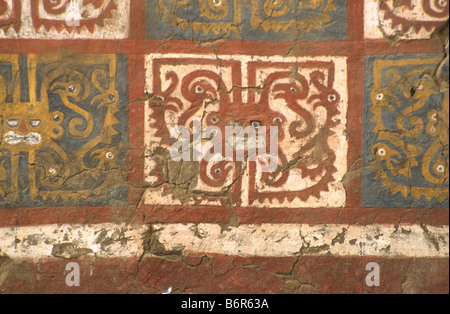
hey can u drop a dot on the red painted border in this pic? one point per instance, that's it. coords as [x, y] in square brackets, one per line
[216, 273]
[355, 20]
[210, 214]
[355, 85]
[313, 216]
[137, 19]
[136, 75]
[60, 215]
[147, 46]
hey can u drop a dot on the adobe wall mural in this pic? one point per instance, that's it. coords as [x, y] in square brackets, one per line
[224, 147]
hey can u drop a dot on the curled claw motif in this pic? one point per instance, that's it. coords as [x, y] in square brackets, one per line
[298, 107]
[436, 8]
[214, 9]
[52, 14]
[63, 19]
[225, 16]
[68, 130]
[277, 8]
[51, 171]
[410, 116]
[277, 178]
[199, 87]
[314, 159]
[415, 15]
[55, 7]
[10, 15]
[282, 15]
[214, 16]
[108, 98]
[72, 87]
[215, 174]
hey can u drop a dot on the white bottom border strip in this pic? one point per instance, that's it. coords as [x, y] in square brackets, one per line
[268, 240]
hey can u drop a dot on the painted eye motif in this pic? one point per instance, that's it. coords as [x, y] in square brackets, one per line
[72, 89]
[256, 124]
[277, 120]
[35, 123]
[215, 119]
[13, 123]
[109, 155]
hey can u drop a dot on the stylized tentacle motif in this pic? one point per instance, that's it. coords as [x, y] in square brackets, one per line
[410, 118]
[108, 97]
[72, 86]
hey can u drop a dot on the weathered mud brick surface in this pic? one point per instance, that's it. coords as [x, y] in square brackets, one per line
[64, 130]
[305, 98]
[104, 19]
[404, 19]
[247, 20]
[406, 133]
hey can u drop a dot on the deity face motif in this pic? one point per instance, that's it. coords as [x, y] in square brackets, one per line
[29, 127]
[24, 127]
[256, 116]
